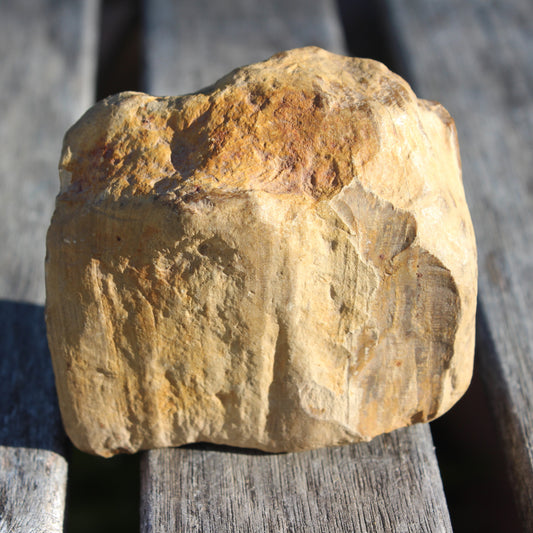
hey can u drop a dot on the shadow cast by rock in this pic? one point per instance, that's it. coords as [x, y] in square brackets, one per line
[221, 448]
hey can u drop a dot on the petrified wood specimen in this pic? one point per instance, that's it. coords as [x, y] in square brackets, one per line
[284, 260]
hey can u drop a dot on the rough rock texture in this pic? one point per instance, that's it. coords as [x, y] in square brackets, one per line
[283, 260]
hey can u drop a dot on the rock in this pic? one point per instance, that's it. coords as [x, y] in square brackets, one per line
[283, 260]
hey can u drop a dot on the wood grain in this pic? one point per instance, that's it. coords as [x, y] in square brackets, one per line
[33, 498]
[477, 59]
[47, 53]
[391, 484]
[387, 485]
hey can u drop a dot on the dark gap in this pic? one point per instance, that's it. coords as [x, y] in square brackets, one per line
[504, 415]
[102, 494]
[366, 30]
[472, 466]
[370, 31]
[471, 456]
[120, 48]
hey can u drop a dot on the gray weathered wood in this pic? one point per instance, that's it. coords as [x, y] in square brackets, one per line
[387, 485]
[47, 51]
[391, 484]
[27, 503]
[476, 57]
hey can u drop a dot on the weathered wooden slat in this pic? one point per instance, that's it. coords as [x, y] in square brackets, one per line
[387, 485]
[477, 58]
[47, 51]
[391, 484]
[28, 501]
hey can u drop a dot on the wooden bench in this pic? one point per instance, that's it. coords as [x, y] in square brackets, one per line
[475, 57]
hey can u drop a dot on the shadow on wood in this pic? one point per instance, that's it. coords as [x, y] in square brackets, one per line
[29, 413]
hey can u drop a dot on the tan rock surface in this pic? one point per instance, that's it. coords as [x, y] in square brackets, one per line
[284, 260]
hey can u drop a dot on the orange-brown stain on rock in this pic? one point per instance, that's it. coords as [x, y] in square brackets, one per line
[281, 137]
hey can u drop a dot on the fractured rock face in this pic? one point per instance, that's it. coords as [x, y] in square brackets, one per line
[284, 260]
